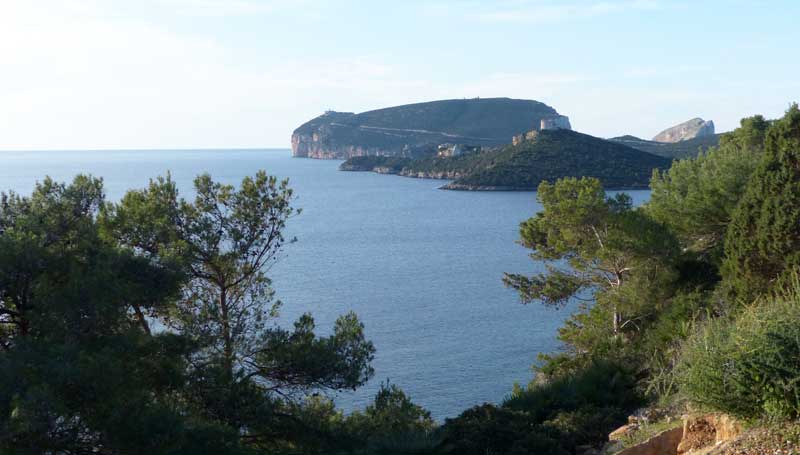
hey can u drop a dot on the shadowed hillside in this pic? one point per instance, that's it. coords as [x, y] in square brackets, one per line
[549, 155]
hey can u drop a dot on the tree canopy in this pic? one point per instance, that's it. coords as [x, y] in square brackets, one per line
[148, 325]
[763, 239]
[696, 197]
[590, 242]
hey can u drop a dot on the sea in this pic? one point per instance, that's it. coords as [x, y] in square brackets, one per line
[422, 267]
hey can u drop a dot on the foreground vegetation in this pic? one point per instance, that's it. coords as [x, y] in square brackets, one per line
[147, 325]
[698, 288]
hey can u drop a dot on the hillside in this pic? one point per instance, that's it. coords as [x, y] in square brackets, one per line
[414, 130]
[560, 153]
[676, 150]
[550, 155]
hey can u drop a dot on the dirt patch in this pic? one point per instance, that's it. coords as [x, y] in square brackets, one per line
[698, 433]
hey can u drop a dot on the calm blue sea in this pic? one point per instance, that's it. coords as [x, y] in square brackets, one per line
[422, 267]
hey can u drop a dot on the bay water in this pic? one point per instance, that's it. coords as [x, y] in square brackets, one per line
[421, 267]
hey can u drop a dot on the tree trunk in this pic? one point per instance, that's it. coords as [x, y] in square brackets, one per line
[615, 310]
[226, 333]
[142, 319]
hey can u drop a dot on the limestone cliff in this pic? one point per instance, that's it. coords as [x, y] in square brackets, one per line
[559, 122]
[689, 129]
[417, 130]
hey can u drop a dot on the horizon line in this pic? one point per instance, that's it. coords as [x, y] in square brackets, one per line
[146, 149]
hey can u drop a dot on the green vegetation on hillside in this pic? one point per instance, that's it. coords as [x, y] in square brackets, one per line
[763, 243]
[552, 155]
[696, 197]
[748, 363]
[556, 154]
[391, 164]
[703, 296]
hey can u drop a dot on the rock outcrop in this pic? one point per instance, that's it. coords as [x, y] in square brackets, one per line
[416, 130]
[559, 122]
[689, 129]
[705, 432]
[520, 138]
[664, 443]
[699, 435]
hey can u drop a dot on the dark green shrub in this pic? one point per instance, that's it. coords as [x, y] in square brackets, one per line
[392, 424]
[762, 242]
[585, 426]
[486, 429]
[572, 409]
[749, 365]
[600, 385]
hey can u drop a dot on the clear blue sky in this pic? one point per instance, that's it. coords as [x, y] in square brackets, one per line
[245, 73]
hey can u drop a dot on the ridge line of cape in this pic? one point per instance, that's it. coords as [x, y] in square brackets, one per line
[415, 130]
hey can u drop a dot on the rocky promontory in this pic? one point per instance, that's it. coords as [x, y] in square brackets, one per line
[689, 129]
[418, 130]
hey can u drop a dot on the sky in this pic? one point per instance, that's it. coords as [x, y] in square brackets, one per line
[105, 74]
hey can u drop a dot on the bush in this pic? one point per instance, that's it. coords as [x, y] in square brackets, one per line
[392, 424]
[659, 348]
[574, 408]
[762, 242]
[485, 429]
[749, 365]
[599, 385]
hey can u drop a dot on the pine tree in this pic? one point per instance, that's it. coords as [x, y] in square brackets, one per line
[590, 242]
[763, 239]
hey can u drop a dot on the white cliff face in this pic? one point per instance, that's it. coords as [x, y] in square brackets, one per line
[314, 146]
[560, 122]
[689, 129]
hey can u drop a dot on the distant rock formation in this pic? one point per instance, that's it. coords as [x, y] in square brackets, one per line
[689, 129]
[529, 136]
[417, 130]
